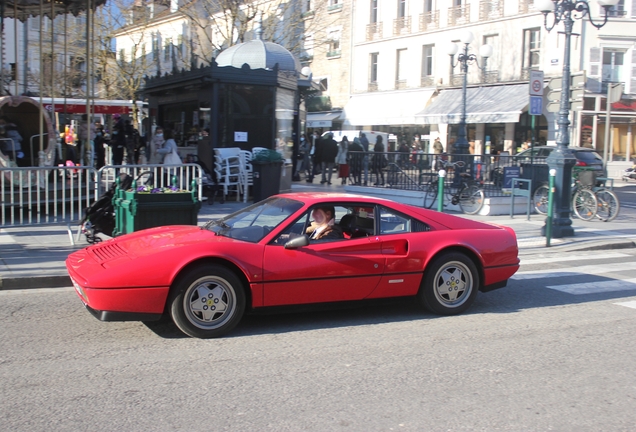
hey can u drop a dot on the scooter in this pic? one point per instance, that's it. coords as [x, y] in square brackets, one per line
[629, 174]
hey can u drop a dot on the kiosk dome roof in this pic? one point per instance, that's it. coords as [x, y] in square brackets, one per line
[259, 55]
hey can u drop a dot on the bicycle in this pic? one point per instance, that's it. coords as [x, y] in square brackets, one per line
[588, 199]
[469, 195]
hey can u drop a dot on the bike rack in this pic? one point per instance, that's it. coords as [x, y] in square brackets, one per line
[518, 191]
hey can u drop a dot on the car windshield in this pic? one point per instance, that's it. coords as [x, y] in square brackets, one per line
[253, 223]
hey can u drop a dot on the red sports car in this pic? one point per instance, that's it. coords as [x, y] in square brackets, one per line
[293, 249]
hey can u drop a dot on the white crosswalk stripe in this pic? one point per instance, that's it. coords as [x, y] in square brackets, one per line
[614, 271]
[629, 304]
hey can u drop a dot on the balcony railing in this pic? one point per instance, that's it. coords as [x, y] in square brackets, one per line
[458, 15]
[427, 81]
[429, 21]
[334, 53]
[373, 86]
[456, 80]
[491, 9]
[374, 31]
[402, 26]
[400, 84]
[490, 77]
[526, 6]
[334, 7]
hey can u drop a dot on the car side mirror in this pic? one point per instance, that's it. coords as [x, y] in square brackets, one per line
[297, 242]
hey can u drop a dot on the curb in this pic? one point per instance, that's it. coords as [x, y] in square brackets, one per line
[582, 246]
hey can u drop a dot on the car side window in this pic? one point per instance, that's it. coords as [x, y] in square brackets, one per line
[392, 222]
[305, 225]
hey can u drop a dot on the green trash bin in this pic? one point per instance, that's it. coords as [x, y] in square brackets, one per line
[135, 211]
[266, 168]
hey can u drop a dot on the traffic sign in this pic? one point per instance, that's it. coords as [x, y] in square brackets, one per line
[553, 106]
[555, 84]
[577, 95]
[536, 105]
[576, 105]
[536, 83]
[554, 95]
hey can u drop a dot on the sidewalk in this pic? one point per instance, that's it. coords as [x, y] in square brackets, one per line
[33, 257]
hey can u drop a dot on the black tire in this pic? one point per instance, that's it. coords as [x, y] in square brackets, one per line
[450, 284]
[208, 301]
[540, 199]
[585, 204]
[431, 195]
[471, 199]
[608, 205]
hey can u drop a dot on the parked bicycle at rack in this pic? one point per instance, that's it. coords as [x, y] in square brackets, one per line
[469, 194]
[590, 197]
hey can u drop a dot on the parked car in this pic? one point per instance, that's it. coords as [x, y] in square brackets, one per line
[206, 278]
[585, 157]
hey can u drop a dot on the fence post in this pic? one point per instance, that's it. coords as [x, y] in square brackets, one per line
[440, 190]
[548, 226]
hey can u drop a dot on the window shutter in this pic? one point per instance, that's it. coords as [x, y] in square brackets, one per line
[594, 73]
[633, 8]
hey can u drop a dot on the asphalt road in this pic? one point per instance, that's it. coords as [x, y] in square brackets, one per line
[546, 353]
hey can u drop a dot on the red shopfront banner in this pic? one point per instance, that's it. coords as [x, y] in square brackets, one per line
[81, 109]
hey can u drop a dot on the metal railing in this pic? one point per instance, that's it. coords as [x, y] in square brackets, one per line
[414, 171]
[429, 21]
[54, 195]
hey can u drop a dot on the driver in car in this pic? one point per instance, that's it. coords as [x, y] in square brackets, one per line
[323, 226]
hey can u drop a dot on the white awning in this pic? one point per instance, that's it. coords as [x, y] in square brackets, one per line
[322, 119]
[385, 108]
[497, 104]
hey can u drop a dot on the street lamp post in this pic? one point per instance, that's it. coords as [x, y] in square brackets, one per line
[562, 159]
[463, 60]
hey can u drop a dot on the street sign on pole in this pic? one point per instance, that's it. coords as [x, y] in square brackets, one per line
[536, 83]
[536, 105]
[555, 84]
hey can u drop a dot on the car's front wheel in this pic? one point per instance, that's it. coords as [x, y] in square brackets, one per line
[208, 301]
[450, 284]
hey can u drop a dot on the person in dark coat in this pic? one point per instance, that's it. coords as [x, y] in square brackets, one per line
[118, 140]
[329, 153]
[364, 142]
[379, 161]
[356, 155]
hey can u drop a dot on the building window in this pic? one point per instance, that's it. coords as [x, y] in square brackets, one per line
[618, 10]
[491, 72]
[401, 12]
[374, 12]
[613, 61]
[308, 49]
[166, 50]
[400, 68]
[373, 71]
[334, 42]
[334, 5]
[531, 51]
[427, 65]
[428, 6]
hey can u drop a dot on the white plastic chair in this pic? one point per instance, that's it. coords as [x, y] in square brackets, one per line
[246, 171]
[227, 165]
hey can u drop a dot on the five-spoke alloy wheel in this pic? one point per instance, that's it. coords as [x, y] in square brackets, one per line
[450, 284]
[208, 301]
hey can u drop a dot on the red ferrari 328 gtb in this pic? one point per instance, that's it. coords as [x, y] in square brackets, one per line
[205, 278]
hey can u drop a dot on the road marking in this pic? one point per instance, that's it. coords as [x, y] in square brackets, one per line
[572, 271]
[597, 287]
[564, 258]
[629, 304]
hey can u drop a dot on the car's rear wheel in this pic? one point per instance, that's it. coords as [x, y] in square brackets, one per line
[450, 284]
[208, 301]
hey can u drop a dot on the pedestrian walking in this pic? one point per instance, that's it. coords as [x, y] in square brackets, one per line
[342, 160]
[379, 161]
[156, 143]
[118, 140]
[438, 148]
[328, 156]
[356, 154]
[364, 142]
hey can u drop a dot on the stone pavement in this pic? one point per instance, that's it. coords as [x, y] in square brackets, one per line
[33, 257]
